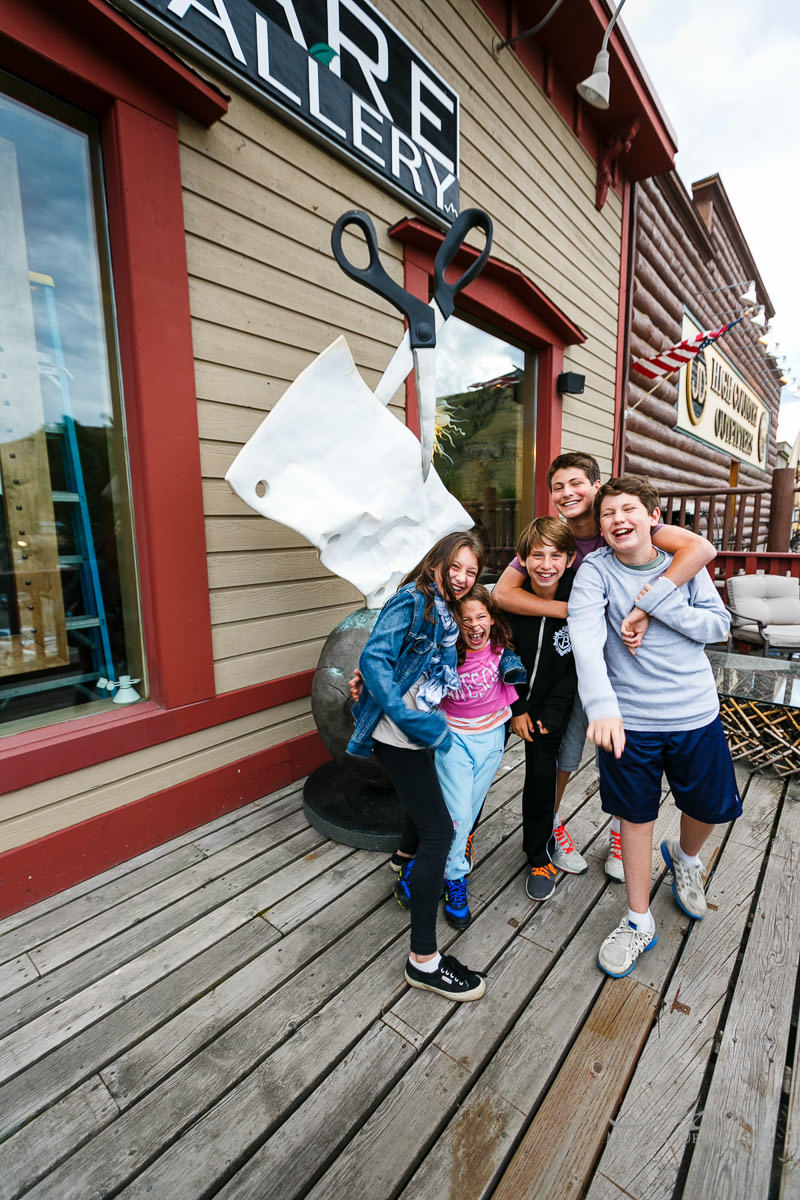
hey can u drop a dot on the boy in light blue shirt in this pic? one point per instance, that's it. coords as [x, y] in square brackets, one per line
[651, 709]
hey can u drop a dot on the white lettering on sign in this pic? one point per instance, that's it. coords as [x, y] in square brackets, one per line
[340, 69]
[420, 110]
[262, 61]
[375, 70]
[402, 160]
[360, 127]
[219, 17]
[313, 99]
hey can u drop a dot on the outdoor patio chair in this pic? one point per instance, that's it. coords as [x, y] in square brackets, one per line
[765, 611]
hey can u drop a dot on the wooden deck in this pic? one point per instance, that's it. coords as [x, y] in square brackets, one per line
[226, 1016]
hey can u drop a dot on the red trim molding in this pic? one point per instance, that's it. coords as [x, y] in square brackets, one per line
[30, 758]
[89, 55]
[86, 52]
[504, 297]
[500, 289]
[42, 868]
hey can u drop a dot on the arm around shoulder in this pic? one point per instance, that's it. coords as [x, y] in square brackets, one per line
[690, 553]
[510, 595]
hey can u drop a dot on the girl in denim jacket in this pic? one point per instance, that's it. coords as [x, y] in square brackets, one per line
[408, 665]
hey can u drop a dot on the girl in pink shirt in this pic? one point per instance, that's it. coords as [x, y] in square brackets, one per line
[477, 715]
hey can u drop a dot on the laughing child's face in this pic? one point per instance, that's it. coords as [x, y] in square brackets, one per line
[545, 565]
[475, 622]
[572, 493]
[627, 527]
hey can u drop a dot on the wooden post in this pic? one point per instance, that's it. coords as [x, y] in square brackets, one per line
[780, 510]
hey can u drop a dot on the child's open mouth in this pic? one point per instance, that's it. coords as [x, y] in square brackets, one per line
[476, 638]
[622, 531]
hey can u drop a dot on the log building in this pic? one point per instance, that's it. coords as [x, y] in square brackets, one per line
[712, 425]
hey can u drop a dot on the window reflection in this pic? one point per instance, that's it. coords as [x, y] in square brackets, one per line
[481, 431]
[68, 597]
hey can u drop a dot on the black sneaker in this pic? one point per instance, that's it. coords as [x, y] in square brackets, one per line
[397, 862]
[456, 905]
[540, 882]
[402, 889]
[451, 979]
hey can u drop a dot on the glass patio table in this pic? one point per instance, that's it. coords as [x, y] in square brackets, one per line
[760, 708]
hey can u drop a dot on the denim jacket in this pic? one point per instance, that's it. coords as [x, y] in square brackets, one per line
[397, 654]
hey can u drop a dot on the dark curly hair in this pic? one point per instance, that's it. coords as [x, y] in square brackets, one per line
[500, 637]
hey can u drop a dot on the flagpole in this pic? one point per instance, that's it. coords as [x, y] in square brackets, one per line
[663, 378]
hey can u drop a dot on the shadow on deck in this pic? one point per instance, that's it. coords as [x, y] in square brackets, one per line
[226, 1016]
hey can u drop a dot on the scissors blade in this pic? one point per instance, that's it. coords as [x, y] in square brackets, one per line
[425, 373]
[402, 361]
[400, 365]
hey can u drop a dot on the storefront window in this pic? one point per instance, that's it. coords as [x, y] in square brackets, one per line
[485, 433]
[69, 612]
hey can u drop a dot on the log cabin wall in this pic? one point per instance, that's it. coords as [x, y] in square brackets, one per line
[684, 246]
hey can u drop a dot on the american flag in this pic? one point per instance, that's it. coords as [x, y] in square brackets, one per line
[676, 357]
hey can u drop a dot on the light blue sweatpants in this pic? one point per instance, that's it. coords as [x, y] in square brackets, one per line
[466, 770]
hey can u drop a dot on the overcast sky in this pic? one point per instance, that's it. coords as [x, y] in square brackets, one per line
[725, 72]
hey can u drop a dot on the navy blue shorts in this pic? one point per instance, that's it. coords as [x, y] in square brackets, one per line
[698, 767]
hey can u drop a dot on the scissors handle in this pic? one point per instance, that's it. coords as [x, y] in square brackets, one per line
[445, 293]
[421, 329]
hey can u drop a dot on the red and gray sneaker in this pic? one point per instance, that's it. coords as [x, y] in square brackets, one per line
[566, 855]
[613, 864]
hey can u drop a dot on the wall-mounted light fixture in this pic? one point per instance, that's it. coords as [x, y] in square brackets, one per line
[748, 297]
[528, 32]
[596, 88]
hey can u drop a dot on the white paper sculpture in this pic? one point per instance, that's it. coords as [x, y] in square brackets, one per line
[331, 462]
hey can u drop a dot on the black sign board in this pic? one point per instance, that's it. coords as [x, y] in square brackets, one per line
[342, 71]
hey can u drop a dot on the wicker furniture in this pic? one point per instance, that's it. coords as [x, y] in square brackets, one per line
[760, 708]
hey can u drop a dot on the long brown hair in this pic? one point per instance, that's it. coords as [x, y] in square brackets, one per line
[442, 555]
[500, 636]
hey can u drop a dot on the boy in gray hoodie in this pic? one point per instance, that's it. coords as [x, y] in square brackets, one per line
[651, 710]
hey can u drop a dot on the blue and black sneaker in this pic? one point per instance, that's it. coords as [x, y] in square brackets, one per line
[402, 889]
[456, 905]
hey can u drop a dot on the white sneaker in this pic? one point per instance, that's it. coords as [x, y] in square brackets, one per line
[621, 949]
[566, 856]
[687, 882]
[613, 867]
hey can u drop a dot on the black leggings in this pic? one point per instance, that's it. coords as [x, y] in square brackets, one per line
[428, 831]
[539, 797]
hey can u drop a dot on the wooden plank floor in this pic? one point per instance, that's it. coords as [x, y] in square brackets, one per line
[226, 1016]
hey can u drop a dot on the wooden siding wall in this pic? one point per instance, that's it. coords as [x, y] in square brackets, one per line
[267, 296]
[671, 268]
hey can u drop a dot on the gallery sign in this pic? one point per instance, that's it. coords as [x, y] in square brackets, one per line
[339, 69]
[717, 406]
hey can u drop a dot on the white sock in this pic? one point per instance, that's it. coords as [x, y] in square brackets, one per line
[643, 921]
[427, 967]
[556, 820]
[615, 824]
[691, 860]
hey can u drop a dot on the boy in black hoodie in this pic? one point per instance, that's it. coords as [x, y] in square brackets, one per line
[540, 715]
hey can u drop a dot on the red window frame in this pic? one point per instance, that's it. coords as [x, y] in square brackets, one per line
[87, 54]
[505, 298]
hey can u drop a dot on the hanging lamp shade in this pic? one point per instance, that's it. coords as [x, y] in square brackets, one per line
[596, 88]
